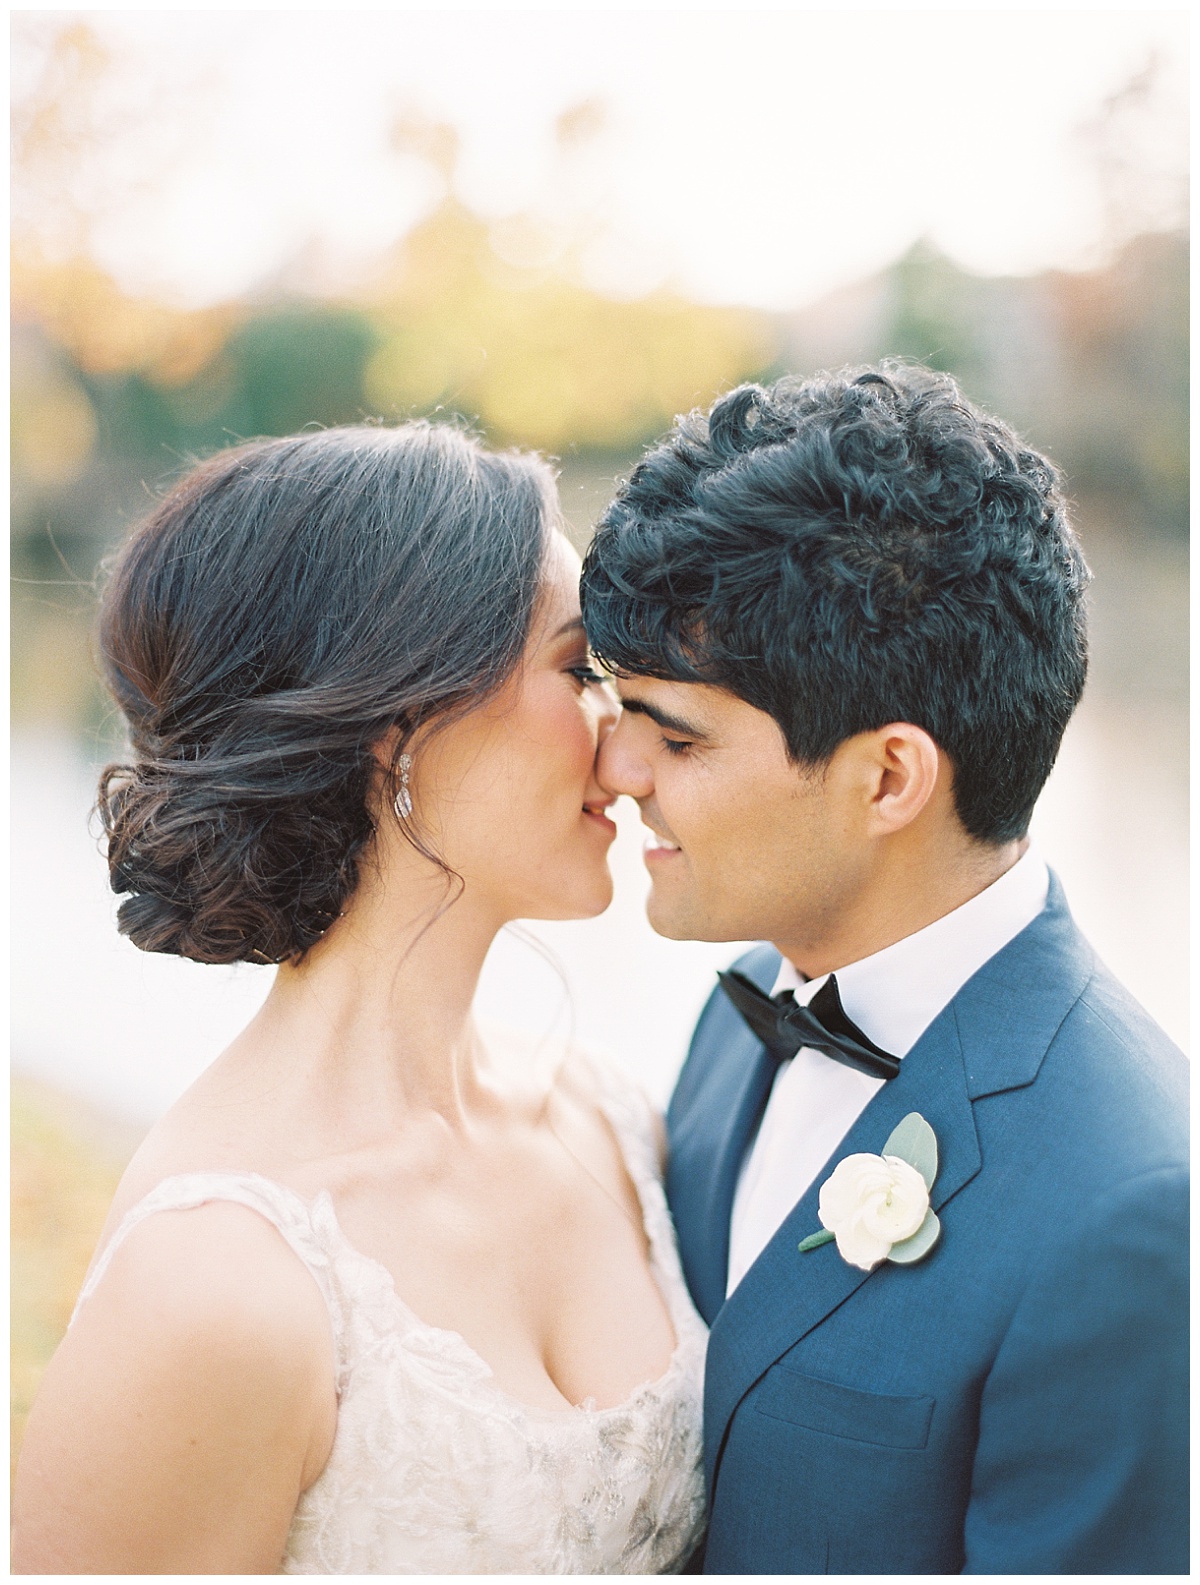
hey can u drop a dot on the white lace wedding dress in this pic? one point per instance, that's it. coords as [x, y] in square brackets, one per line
[434, 1470]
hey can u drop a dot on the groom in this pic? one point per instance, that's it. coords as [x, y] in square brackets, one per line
[847, 621]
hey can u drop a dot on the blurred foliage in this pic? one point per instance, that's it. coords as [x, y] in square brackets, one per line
[536, 358]
[105, 384]
[1092, 366]
[114, 394]
[532, 357]
[65, 1168]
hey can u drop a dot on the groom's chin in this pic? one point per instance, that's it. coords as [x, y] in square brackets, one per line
[664, 920]
[677, 925]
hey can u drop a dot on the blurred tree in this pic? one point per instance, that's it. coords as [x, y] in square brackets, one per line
[53, 421]
[1092, 365]
[287, 368]
[932, 315]
[78, 110]
[1139, 165]
[536, 358]
[1118, 411]
[489, 321]
[106, 331]
[57, 73]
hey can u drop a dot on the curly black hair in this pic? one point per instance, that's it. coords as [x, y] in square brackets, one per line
[288, 604]
[850, 550]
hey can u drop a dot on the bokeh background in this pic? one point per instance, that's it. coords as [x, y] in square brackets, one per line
[564, 227]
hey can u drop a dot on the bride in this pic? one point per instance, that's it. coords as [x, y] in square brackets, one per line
[377, 1295]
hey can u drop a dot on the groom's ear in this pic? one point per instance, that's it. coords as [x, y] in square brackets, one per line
[903, 773]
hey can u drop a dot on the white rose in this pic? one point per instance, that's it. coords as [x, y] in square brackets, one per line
[870, 1203]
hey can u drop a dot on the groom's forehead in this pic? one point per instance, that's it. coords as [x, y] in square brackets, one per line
[695, 709]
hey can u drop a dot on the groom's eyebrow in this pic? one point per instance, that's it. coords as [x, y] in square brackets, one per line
[664, 718]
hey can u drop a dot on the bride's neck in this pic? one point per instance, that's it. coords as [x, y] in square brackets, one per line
[380, 1007]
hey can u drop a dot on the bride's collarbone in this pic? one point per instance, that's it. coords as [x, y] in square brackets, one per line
[547, 1280]
[530, 1247]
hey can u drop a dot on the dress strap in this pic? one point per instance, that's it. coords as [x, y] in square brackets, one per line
[280, 1206]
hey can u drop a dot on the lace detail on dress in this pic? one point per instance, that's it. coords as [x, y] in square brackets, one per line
[435, 1470]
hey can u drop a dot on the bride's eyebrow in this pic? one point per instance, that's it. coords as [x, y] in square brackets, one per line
[574, 625]
[664, 719]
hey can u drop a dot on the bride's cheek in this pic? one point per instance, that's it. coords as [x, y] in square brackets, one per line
[573, 735]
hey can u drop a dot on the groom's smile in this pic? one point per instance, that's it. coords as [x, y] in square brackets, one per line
[738, 832]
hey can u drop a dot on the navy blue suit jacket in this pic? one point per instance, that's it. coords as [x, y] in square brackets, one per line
[1017, 1401]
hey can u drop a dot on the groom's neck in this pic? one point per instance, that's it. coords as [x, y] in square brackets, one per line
[908, 890]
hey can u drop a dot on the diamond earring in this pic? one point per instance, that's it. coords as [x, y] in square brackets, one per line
[402, 803]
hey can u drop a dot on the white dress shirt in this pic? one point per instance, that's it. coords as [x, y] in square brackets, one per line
[893, 996]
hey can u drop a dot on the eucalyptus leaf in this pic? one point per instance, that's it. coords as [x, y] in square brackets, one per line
[914, 1141]
[815, 1240]
[919, 1245]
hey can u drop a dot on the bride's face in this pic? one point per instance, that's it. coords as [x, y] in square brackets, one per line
[508, 795]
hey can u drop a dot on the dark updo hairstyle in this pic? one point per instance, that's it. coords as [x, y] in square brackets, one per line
[851, 550]
[287, 605]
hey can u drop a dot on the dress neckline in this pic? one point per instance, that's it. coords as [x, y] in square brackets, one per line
[480, 1373]
[484, 1375]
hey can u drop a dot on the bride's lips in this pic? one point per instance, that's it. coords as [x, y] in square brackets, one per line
[595, 813]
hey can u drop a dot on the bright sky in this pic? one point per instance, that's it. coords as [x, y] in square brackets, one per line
[762, 156]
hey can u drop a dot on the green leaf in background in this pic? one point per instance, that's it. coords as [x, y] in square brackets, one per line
[913, 1141]
[919, 1245]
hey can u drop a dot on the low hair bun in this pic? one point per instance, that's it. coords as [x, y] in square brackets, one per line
[288, 606]
[220, 878]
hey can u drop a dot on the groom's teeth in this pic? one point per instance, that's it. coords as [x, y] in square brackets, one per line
[659, 844]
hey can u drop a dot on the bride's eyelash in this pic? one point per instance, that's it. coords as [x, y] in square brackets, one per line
[586, 675]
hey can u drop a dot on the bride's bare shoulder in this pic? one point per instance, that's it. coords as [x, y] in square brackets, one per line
[210, 1128]
[217, 1261]
[203, 1358]
[174, 1145]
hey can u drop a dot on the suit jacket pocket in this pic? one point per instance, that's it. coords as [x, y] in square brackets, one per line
[827, 1406]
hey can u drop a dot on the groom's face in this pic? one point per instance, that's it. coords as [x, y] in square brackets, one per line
[745, 844]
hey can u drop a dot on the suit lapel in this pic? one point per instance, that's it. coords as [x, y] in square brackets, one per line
[785, 1294]
[707, 1150]
[755, 1074]
[1011, 1010]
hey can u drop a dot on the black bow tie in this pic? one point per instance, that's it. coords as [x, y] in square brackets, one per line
[784, 1026]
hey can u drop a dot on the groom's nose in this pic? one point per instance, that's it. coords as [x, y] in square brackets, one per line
[620, 766]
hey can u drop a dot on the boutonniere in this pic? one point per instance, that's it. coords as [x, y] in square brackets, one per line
[877, 1207]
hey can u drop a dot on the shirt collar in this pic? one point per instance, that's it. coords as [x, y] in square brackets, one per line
[895, 994]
